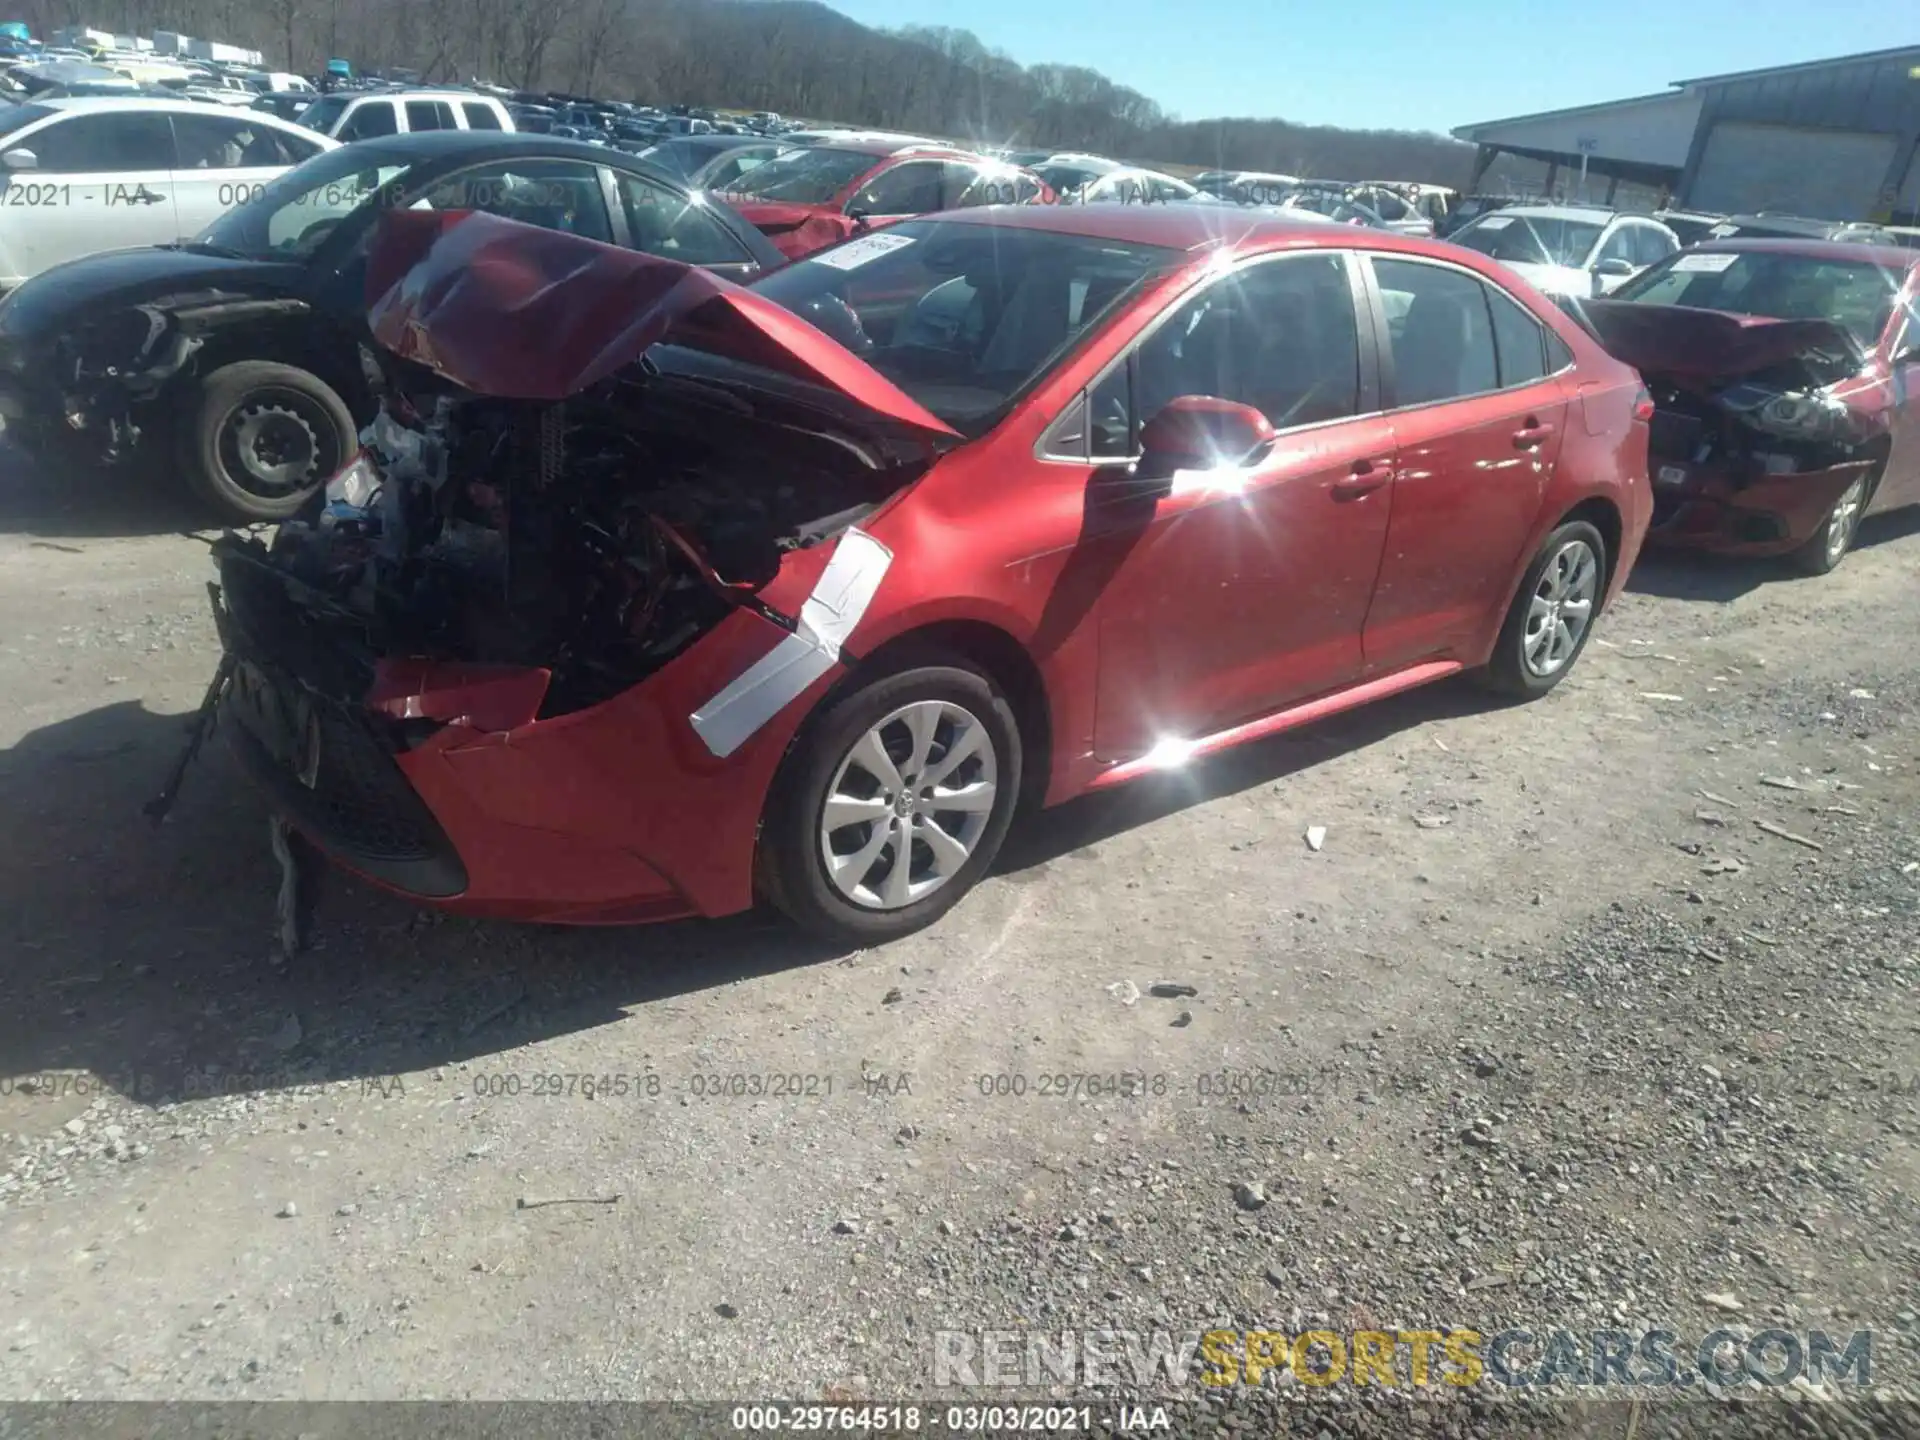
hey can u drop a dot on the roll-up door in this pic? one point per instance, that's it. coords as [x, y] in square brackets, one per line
[1825, 174]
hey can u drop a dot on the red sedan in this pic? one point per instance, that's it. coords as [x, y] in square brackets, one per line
[1787, 379]
[659, 596]
[806, 200]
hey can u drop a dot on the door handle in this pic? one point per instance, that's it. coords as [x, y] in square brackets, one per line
[1531, 435]
[1364, 478]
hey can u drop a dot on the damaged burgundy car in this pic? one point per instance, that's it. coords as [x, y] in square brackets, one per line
[653, 596]
[1786, 376]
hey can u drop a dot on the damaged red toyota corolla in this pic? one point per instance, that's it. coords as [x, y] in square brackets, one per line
[657, 596]
[1786, 375]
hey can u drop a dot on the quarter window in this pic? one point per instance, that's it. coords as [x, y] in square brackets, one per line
[1440, 332]
[480, 117]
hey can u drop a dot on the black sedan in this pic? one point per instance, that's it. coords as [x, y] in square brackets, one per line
[242, 348]
[711, 162]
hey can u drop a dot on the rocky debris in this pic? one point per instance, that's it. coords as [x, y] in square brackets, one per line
[1249, 1194]
[1169, 990]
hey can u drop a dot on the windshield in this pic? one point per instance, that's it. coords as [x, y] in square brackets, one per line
[323, 113]
[804, 177]
[963, 317]
[292, 216]
[1530, 239]
[1857, 294]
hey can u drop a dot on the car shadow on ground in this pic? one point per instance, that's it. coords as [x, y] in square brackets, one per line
[87, 502]
[1719, 579]
[148, 958]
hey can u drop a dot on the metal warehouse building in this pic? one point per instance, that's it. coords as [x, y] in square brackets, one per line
[1834, 139]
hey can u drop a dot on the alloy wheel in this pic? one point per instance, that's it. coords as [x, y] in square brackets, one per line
[1561, 608]
[1845, 519]
[908, 805]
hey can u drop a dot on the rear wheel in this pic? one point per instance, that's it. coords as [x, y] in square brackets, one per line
[260, 437]
[892, 805]
[1823, 553]
[1552, 614]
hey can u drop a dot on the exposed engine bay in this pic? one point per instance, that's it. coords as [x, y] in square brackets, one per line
[596, 537]
[1780, 421]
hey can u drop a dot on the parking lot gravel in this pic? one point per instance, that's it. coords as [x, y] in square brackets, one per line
[1594, 1013]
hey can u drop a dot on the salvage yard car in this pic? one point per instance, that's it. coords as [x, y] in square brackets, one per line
[809, 198]
[81, 175]
[241, 348]
[652, 595]
[1787, 379]
[1574, 251]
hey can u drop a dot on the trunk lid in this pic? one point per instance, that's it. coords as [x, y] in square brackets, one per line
[516, 312]
[1717, 346]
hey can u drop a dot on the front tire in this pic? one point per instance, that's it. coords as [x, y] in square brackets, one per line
[260, 437]
[892, 804]
[1552, 613]
[1822, 554]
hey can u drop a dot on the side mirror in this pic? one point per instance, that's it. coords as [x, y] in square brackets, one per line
[1202, 432]
[20, 159]
[1614, 269]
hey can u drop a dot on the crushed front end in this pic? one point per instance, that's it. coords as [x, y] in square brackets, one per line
[1755, 433]
[471, 671]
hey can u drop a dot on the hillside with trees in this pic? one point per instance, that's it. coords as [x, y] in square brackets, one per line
[796, 57]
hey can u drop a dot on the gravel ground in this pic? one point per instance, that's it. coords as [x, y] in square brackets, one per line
[1557, 1030]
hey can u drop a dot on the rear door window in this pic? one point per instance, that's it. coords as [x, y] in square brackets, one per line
[430, 115]
[1440, 332]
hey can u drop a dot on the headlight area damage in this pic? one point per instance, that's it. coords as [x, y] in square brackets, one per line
[94, 384]
[605, 525]
[1754, 438]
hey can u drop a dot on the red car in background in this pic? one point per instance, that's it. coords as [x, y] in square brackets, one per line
[1787, 379]
[658, 596]
[808, 199]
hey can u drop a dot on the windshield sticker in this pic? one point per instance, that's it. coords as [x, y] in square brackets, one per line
[1709, 264]
[1721, 232]
[855, 253]
[1496, 222]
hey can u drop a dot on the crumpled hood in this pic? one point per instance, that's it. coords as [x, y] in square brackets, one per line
[1708, 345]
[796, 230]
[510, 310]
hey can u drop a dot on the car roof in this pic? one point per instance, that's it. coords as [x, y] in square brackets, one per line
[84, 104]
[1187, 227]
[429, 144]
[1891, 257]
[1598, 213]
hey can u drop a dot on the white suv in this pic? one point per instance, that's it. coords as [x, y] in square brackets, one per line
[109, 172]
[368, 114]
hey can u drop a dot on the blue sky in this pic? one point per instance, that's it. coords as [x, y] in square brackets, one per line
[1407, 64]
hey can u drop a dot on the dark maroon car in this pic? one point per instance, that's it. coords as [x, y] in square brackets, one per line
[1787, 379]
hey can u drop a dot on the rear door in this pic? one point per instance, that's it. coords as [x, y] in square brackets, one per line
[1901, 483]
[102, 180]
[1477, 422]
[224, 161]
